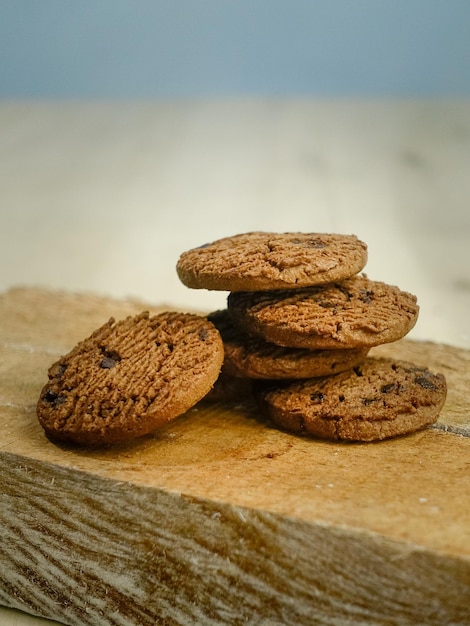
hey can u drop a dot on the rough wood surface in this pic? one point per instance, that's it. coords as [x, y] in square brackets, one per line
[219, 519]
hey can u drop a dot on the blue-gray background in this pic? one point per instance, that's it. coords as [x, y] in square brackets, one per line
[183, 48]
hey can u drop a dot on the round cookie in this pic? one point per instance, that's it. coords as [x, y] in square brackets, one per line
[356, 312]
[249, 357]
[265, 261]
[130, 377]
[381, 398]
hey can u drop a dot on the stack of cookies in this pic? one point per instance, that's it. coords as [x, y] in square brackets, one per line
[301, 318]
[300, 321]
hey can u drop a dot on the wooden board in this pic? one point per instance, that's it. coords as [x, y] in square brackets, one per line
[218, 518]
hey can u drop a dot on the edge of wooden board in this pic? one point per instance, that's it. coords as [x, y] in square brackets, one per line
[87, 550]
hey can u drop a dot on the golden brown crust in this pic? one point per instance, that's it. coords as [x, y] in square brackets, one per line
[130, 377]
[353, 313]
[265, 261]
[379, 399]
[252, 357]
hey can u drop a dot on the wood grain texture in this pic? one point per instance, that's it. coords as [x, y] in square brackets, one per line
[219, 519]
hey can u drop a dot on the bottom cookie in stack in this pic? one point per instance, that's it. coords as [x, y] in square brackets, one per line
[378, 399]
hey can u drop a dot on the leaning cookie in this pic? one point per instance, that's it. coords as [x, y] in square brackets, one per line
[379, 399]
[250, 357]
[354, 313]
[264, 261]
[130, 378]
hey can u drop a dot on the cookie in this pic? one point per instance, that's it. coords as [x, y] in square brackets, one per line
[248, 357]
[130, 377]
[354, 313]
[264, 261]
[381, 398]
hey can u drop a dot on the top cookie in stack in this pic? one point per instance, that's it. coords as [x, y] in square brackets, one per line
[261, 261]
[298, 309]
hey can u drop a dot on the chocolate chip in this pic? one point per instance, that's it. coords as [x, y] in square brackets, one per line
[316, 398]
[357, 371]
[107, 363]
[110, 354]
[365, 295]
[388, 388]
[50, 396]
[316, 243]
[344, 291]
[203, 334]
[368, 401]
[61, 371]
[57, 371]
[310, 243]
[53, 398]
[424, 382]
[110, 358]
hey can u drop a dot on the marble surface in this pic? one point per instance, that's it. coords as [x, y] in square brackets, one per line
[104, 196]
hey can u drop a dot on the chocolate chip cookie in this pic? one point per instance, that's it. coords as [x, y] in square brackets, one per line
[353, 313]
[378, 399]
[249, 357]
[264, 261]
[130, 377]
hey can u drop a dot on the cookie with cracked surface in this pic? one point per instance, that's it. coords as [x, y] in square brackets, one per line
[250, 357]
[264, 261]
[130, 377]
[356, 312]
[380, 398]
